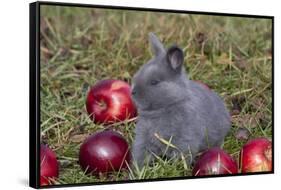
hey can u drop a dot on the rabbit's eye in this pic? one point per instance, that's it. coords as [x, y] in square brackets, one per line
[154, 82]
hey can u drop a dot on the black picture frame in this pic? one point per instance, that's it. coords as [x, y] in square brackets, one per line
[34, 91]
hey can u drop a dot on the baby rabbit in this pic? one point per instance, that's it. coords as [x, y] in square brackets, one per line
[174, 108]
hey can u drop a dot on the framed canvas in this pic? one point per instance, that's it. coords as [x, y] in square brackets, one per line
[122, 94]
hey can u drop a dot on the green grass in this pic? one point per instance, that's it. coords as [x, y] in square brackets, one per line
[80, 46]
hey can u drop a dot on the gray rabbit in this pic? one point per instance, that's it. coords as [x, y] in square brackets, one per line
[173, 108]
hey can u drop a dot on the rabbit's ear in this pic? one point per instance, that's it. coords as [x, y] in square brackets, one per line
[156, 46]
[175, 57]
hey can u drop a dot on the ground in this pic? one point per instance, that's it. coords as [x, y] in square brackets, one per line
[80, 46]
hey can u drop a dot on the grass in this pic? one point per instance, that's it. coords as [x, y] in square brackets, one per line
[80, 46]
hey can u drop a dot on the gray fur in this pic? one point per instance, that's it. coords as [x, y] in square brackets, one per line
[156, 46]
[175, 108]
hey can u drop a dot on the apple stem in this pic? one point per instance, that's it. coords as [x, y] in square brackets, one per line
[102, 104]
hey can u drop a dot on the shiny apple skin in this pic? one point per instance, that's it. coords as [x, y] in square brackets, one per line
[256, 156]
[214, 162]
[49, 167]
[104, 152]
[115, 95]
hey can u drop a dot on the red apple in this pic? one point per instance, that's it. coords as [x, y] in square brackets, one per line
[104, 152]
[110, 101]
[49, 165]
[214, 161]
[256, 156]
[203, 84]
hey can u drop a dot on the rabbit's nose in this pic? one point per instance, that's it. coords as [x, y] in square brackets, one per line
[133, 92]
